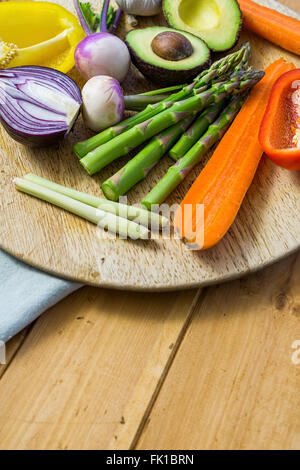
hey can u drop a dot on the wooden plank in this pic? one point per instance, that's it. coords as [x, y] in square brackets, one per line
[233, 384]
[12, 347]
[89, 369]
[63, 244]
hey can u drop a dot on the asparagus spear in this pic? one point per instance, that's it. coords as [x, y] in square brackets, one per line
[105, 220]
[230, 61]
[219, 68]
[139, 102]
[178, 172]
[195, 131]
[138, 167]
[83, 148]
[123, 143]
[135, 214]
[244, 62]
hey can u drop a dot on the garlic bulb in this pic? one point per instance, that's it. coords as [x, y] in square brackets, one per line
[140, 7]
[132, 21]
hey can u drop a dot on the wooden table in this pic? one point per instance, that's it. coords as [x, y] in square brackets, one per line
[215, 368]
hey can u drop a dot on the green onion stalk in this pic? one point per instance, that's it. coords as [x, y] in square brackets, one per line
[140, 102]
[168, 89]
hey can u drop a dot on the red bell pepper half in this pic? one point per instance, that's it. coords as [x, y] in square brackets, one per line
[279, 133]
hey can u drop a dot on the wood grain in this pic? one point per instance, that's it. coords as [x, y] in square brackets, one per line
[233, 384]
[267, 227]
[89, 370]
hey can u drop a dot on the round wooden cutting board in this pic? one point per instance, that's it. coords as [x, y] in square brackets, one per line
[266, 229]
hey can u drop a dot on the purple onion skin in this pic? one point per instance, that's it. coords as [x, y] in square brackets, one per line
[121, 104]
[102, 54]
[44, 138]
[34, 141]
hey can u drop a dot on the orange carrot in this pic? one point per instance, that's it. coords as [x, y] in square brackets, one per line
[272, 25]
[223, 183]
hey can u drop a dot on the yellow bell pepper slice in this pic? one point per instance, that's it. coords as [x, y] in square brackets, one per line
[44, 34]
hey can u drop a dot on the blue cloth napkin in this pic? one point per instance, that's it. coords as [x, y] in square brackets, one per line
[25, 293]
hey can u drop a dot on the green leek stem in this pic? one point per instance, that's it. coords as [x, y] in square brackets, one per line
[105, 220]
[131, 213]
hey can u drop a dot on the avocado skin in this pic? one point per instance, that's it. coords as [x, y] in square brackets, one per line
[172, 25]
[164, 76]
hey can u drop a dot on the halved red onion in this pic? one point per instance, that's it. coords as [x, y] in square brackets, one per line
[38, 105]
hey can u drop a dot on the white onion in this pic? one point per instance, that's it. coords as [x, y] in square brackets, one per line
[103, 102]
[140, 7]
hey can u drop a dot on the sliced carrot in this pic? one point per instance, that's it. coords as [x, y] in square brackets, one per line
[223, 183]
[272, 25]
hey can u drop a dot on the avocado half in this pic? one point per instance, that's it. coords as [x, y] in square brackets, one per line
[217, 22]
[149, 47]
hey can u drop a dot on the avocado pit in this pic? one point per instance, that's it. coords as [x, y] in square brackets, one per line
[170, 45]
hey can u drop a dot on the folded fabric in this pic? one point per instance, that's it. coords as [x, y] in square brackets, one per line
[25, 293]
